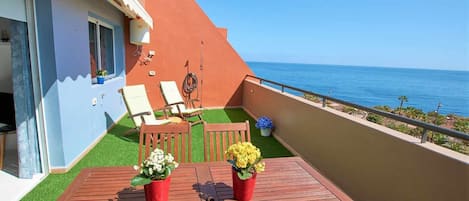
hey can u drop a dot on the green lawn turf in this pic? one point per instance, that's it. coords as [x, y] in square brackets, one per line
[117, 150]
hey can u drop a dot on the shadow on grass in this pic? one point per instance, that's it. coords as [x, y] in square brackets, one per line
[125, 129]
[124, 132]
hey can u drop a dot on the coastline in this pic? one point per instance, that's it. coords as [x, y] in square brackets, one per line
[371, 86]
[453, 122]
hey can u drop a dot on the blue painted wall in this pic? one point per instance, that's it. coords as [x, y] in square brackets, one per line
[72, 122]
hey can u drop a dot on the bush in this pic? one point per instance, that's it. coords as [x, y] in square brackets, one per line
[462, 125]
[375, 118]
[439, 138]
[312, 98]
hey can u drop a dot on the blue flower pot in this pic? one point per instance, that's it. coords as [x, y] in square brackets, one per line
[100, 80]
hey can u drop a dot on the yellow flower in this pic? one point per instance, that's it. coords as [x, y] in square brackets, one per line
[245, 156]
[260, 167]
[241, 163]
[252, 159]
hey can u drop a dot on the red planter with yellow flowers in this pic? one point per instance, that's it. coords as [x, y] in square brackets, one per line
[243, 190]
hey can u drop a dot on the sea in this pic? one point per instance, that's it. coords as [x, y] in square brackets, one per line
[371, 86]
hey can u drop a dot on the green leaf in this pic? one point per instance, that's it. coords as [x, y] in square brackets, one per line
[145, 171]
[244, 175]
[139, 181]
[167, 172]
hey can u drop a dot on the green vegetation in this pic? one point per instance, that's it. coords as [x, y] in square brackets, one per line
[384, 108]
[118, 150]
[375, 118]
[450, 121]
[312, 98]
[414, 113]
[349, 110]
[439, 139]
[462, 124]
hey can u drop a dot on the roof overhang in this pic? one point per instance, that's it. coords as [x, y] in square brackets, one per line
[133, 9]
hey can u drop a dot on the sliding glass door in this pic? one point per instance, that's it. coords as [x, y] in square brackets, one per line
[19, 140]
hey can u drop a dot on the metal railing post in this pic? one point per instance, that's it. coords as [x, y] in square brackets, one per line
[283, 88]
[424, 136]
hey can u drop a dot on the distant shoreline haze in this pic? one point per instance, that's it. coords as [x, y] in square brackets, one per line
[367, 66]
[374, 86]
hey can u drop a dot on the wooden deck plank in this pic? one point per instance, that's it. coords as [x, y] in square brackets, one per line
[198, 181]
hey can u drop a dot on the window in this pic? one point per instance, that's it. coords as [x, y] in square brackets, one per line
[101, 41]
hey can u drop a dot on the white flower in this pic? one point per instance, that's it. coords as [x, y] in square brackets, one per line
[157, 164]
[169, 158]
[158, 167]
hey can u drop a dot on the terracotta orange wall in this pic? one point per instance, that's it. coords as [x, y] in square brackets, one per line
[223, 32]
[179, 28]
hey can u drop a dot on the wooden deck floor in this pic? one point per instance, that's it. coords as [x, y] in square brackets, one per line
[284, 179]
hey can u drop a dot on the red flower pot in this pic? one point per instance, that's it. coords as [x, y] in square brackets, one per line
[157, 190]
[243, 189]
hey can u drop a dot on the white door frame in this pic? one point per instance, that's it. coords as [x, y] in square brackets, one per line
[37, 86]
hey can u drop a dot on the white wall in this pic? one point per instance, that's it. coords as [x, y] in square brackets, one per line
[6, 82]
[13, 9]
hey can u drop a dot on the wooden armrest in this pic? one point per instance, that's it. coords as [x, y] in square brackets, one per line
[195, 99]
[165, 110]
[140, 114]
[177, 103]
[177, 106]
[191, 101]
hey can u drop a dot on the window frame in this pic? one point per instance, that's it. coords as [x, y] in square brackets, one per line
[97, 24]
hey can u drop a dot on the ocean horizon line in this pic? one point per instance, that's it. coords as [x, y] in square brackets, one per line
[364, 66]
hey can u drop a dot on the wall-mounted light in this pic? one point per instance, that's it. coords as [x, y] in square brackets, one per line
[151, 53]
[147, 59]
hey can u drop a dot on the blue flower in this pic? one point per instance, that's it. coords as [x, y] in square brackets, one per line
[264, 122]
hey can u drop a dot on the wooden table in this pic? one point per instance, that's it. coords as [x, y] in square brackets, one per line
[288, 178]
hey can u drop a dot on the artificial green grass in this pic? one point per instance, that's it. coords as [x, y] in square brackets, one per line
[118, 150]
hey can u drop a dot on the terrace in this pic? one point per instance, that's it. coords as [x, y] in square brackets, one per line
[367, 161]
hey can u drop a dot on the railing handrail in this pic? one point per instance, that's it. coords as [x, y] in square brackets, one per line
[426, 126]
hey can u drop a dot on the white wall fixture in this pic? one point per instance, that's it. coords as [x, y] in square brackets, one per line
[139, 32]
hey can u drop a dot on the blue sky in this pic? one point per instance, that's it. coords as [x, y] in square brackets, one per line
[394, 33]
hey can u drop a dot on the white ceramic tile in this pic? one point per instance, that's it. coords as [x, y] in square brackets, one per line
[12, 188]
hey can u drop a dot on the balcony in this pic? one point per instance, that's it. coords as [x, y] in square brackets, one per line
[367, 161]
